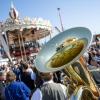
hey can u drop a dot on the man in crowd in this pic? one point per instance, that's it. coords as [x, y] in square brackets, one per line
[49, 90]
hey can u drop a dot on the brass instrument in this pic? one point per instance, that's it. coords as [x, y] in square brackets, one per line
[64, 52]
[82, 84]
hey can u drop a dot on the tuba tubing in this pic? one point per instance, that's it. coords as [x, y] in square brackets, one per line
[81, 78]
[82, 92]
[92, 83]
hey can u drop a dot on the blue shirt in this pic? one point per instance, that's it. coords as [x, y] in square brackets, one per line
[17, 91]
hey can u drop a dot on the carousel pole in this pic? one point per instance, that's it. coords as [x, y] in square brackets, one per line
[23, 46]
[20, 46]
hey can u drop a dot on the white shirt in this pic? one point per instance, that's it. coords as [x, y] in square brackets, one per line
[37, 95]
[33, 75]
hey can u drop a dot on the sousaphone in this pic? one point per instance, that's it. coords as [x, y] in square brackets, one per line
[64, 52]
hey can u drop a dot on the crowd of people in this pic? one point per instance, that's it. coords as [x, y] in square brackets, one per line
[93, 56]
[22, 81]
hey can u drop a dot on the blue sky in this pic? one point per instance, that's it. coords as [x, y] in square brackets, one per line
[74, 12]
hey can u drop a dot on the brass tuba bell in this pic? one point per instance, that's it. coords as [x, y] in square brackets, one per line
[64, 52]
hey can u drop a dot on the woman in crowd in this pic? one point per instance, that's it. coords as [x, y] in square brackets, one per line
[16, 90]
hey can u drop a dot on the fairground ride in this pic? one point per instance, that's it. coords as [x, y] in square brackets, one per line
[19, 36]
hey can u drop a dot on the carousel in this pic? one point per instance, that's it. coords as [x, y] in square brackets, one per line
[19, 37]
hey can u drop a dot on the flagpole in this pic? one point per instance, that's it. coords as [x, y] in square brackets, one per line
[60, 19]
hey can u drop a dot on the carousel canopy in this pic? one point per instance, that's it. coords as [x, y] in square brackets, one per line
[36, 23]
[41, 27]
[14, 22]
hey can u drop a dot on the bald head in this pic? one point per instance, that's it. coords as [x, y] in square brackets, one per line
[46, 76]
